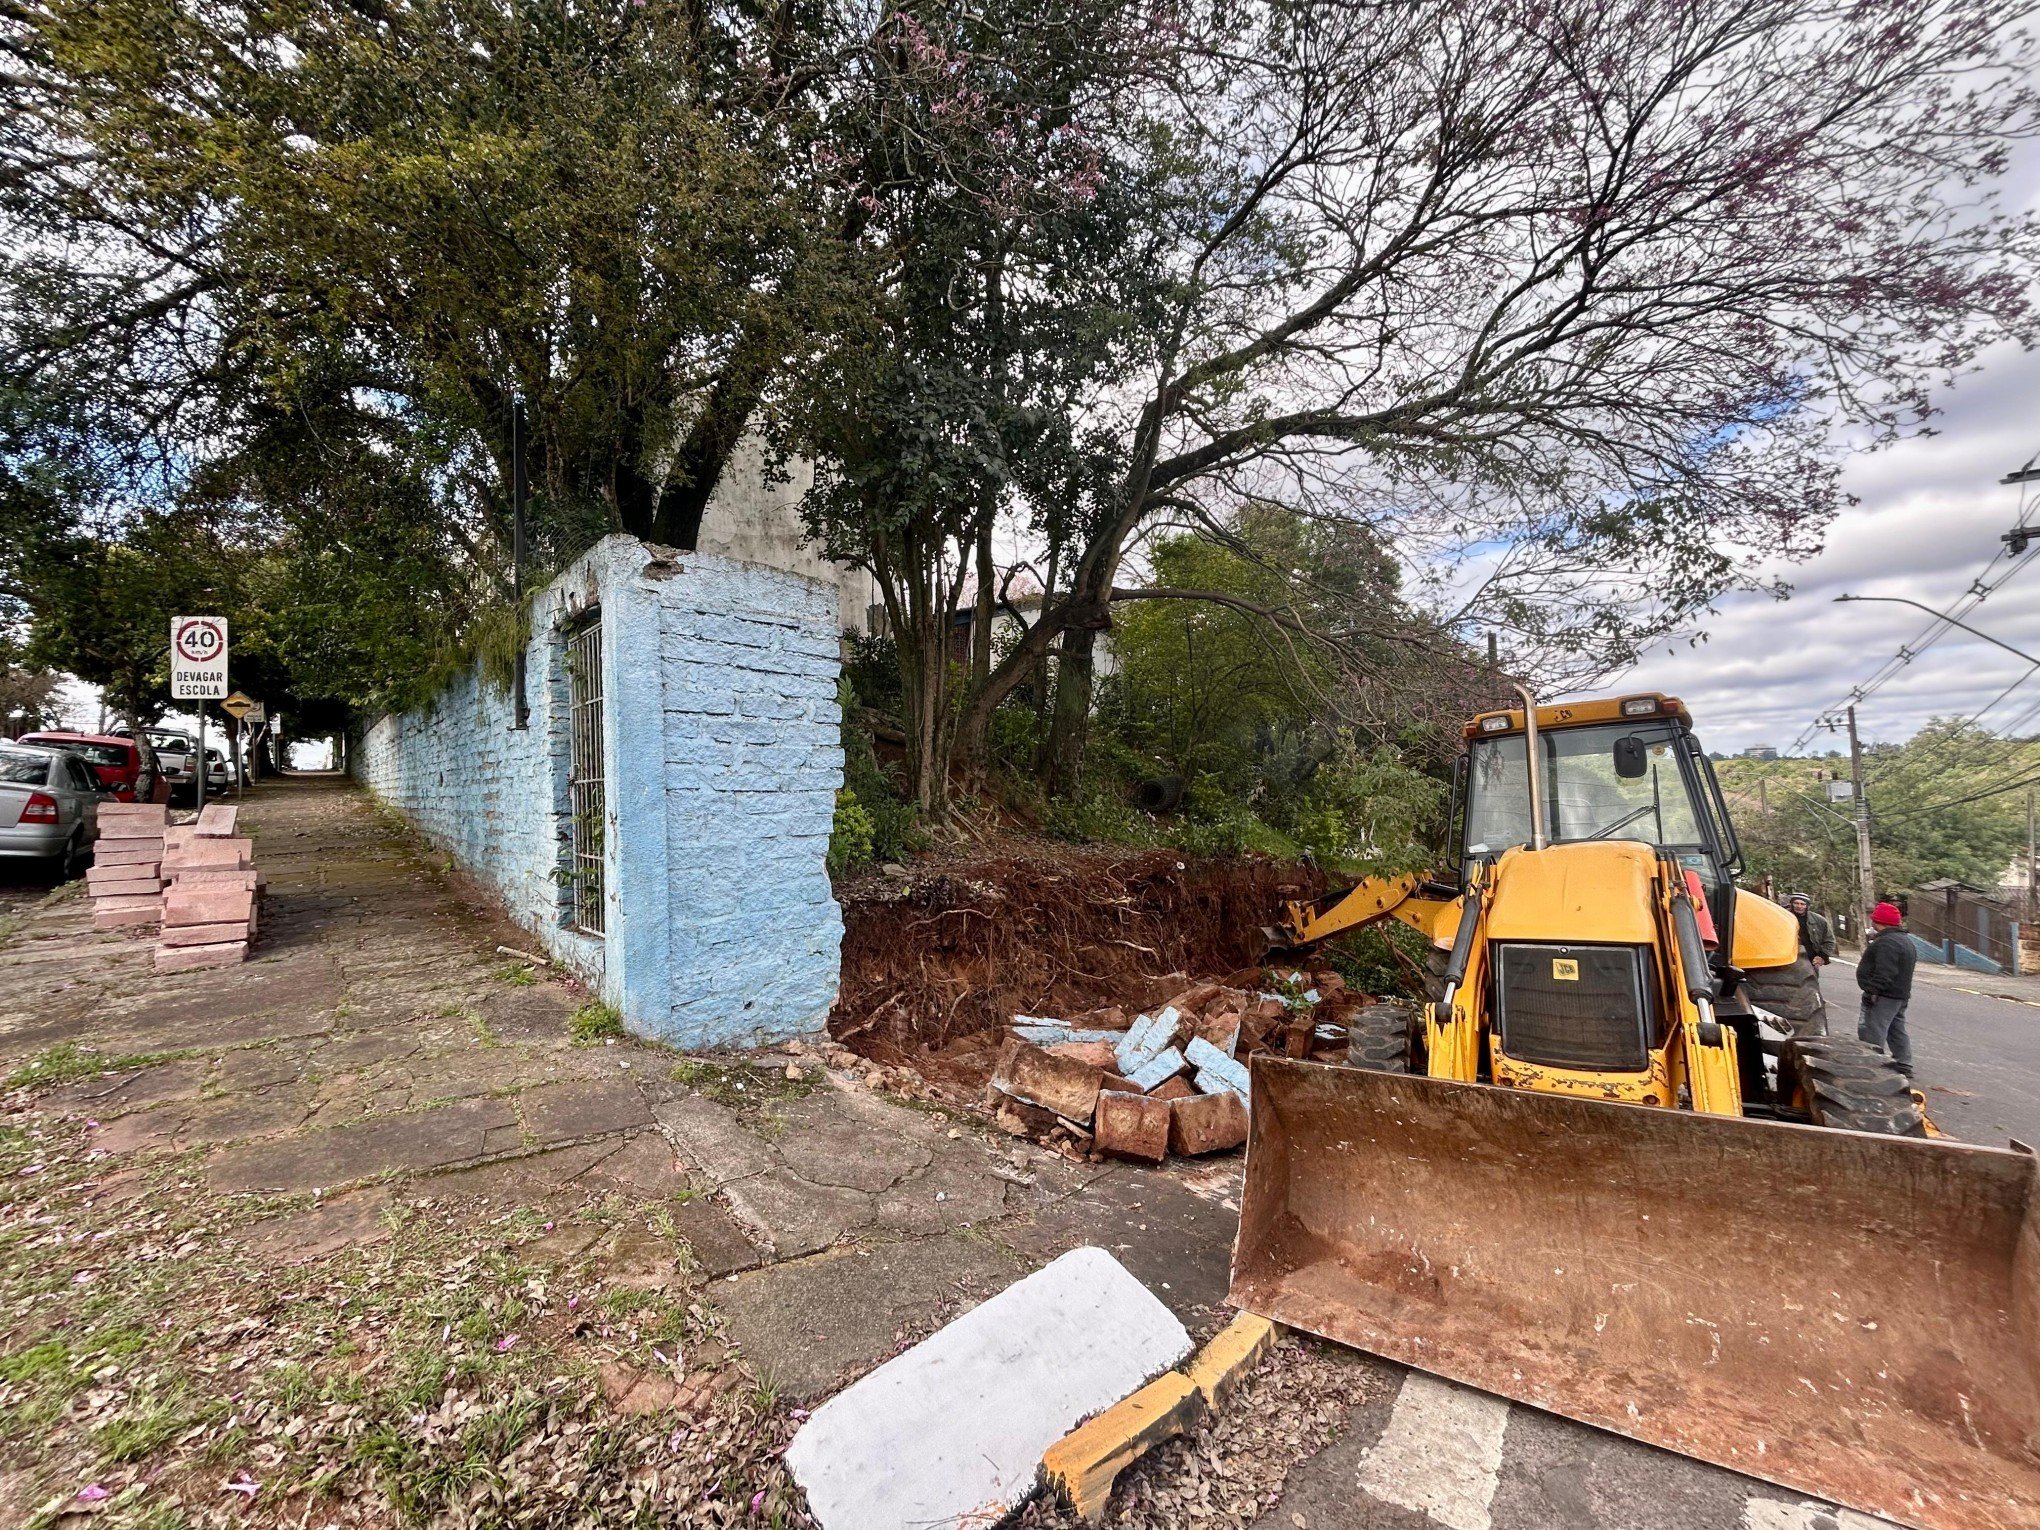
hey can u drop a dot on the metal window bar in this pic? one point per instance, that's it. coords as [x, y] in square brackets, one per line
[585, 782]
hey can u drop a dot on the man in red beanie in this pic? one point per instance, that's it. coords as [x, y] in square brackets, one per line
[1885, 974]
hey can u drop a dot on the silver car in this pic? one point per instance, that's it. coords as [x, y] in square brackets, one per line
[49, 806]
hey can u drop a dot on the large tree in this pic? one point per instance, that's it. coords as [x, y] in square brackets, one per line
[430, 205]
[1588, 289]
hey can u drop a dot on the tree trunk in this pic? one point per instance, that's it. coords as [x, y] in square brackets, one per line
[1069, 727]
[149, 771]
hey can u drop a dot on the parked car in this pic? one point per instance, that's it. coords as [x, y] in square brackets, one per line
[218, 774]
[115, 760]
[49, 806]
[175, 753]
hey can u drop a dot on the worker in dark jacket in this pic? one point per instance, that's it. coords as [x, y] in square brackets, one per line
[1885, 974]
[1816, 939]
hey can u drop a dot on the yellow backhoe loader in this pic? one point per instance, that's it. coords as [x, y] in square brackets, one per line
[1617, 1169]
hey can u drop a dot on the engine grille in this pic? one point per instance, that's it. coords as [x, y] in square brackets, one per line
[1573, 1006]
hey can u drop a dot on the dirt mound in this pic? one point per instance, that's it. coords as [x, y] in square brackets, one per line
[936, 962]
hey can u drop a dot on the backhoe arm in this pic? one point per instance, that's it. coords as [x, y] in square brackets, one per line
[1369, 901]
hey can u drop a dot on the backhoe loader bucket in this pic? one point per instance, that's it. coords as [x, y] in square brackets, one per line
[1850, 1315]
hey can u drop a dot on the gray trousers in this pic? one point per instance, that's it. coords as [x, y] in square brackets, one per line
[1883, 1026]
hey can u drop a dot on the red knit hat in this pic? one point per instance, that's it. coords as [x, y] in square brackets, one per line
[1887, 914]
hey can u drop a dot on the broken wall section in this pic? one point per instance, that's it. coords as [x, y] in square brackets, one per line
[720, 758]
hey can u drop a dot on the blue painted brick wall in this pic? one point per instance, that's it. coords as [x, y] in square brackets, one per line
[723, 761]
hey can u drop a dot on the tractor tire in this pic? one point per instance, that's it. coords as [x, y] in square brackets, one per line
[1382, 1038]
[1850, 1085]
[1792, 994]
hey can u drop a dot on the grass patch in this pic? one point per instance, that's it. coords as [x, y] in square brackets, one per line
[516, 974]
[593, 1023]
[67, 1062]
[739, 1084]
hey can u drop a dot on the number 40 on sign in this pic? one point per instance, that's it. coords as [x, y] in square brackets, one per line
[198, 658]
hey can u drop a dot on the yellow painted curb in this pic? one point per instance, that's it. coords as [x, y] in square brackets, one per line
[1231, 1355]
[1084, 1463]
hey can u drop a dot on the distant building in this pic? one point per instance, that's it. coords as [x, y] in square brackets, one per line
[1760, 752]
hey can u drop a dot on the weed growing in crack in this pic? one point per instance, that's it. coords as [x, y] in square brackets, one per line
[594, 1023]
[516, 975]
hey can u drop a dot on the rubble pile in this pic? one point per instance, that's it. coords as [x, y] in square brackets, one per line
[1170, 1081]
[125, 877]
[210, 896]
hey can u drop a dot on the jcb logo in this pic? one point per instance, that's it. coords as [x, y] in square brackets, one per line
[1564, 970]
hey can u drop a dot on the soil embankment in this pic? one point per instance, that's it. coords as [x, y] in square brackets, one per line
[937, 961]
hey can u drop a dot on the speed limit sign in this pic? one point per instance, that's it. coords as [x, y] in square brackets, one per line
[198, 658]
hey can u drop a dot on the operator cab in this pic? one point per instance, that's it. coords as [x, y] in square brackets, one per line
[1627, 768]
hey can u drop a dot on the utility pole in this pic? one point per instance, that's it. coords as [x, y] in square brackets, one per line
[2032, 894]
[1869, 882]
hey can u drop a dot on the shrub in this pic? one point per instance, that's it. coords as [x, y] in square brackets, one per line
[851, 836]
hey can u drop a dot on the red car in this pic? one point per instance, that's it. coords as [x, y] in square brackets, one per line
[116, 761]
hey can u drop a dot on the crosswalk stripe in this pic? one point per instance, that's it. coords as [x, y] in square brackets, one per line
[1441, 1454]
[1776, 1514]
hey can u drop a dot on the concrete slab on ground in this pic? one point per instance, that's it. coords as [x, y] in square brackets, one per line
[952, 1431]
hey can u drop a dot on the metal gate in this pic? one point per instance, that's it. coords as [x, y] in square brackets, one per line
[584, 776]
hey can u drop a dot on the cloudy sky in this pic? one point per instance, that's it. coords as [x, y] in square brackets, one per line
[1927, 522]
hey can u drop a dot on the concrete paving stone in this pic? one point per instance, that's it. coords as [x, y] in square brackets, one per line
[640, 1259]
[1207, 1123]
[537, 1013]
[350, 1052]
[596, 1108]
[449, 1135]
[557, 1176]
[238, 1117]
[201, 958]
[716, 1243]
[816, 1323]
[352, 1220]
[794, 1217]
[642, 1167]
[957, 1190]
[953, 1430]
[1061, 1084]
[115, 1094]
[257, 1067]
[839, 1149]
[716, 1147]
[1178, 1243]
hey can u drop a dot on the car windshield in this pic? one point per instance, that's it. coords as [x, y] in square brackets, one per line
[19, 767]
[1586, 795]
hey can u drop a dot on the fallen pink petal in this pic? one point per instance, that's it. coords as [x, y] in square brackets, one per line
[505, 1342]
[92, 1493]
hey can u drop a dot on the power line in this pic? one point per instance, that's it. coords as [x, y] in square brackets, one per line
[1935, 807]
[1980, 589]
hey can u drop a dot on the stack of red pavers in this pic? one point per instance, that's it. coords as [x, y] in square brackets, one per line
[210, 897]
[125, 878]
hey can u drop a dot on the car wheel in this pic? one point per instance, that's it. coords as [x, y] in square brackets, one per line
[71, 864]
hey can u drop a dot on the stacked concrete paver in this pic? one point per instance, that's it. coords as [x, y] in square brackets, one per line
[125, 879]
[209, 903]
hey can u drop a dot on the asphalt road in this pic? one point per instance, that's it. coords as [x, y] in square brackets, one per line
[1976, 1050]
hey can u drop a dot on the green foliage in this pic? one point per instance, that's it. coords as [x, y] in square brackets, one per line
[1241, 695]
[1938, 809]
[594, 1023]
[873, 823]
[1093, 815]
[850, 836]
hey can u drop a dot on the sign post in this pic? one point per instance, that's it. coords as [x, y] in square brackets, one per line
[198, 672]
[245, 711]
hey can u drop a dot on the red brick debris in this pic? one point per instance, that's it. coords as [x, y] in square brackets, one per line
[1170, 1079]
